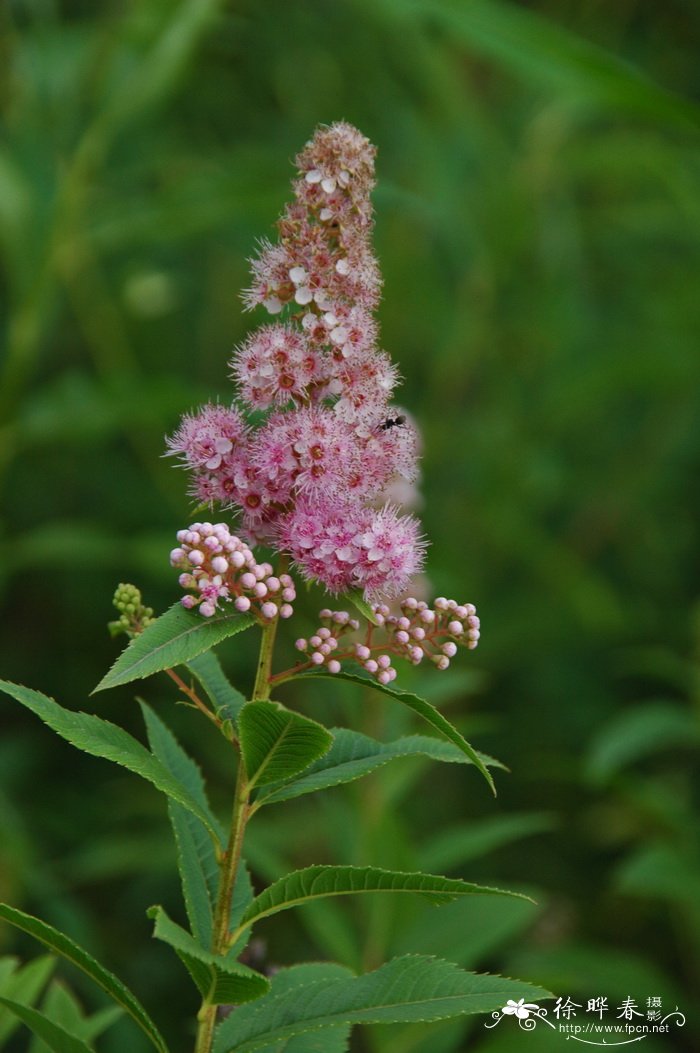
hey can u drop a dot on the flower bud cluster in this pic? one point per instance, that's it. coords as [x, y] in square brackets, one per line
[419, 633]
[217, 566]
[133, 616]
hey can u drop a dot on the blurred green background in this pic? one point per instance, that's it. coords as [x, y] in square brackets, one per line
[538, 226]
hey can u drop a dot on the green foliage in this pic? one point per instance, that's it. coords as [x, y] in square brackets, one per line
[461, 843]
[61, 944]
[56, 1037]
[196, 859]
[640, 732]
[317, 882]
[412, 988]
[424, 710]
[225, 698]
[23, 985]
[540, 50]
[101, 739]
[221, 980]
[330, 1040]
[277, 743]
[538, 229]
[61, 1006]
[353, 755]
[173, 639]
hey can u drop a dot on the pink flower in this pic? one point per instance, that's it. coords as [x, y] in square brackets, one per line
[276, 365]
[345, 546]
[205, 438]
[309, 476]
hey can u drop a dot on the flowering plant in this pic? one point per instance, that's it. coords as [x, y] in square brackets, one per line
[314, 459]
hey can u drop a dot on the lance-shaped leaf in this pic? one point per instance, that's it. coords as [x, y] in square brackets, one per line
[220, 980]
[22, 985]
[277, 743]
[61, 1006]
[100, 738]
[419, 705]
[409, 989]
[318, 882]
[56, 1037]
[72, 952]
[196, 859]
[353, 755]
[173, 639]
[225, 698]
[330, 1040]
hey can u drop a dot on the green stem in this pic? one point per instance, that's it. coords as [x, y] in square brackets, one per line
[230, 861]
[261, 690]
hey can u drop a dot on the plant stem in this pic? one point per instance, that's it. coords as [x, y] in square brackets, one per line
[261, 689]
[194, 698]
[231, 858]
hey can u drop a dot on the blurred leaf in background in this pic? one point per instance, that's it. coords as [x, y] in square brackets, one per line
[538, 224]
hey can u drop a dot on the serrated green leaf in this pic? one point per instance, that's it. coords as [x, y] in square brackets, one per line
[226, 699]
[173, 639]
[277, 743]
[56, 1038]
[100, 738]
[241, 899]
[196, 859]
[419, 705]
[318, 882]
[353, 755]
[68, 949]
[23, 985]
[330, 1040]
[221, 980]
[409, 989]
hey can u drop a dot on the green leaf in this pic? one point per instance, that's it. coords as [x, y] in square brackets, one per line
[225, 698]
[638, 733]
[220, 980]
[55, 1037]
[63, 945]
[277, 743]
[100, 738]
[173, 639]
[317, 882]
[23, 985]
[412, 988]
[424, 709]
[357, 599]
[353, 755]
[545, 52]
[196, 859]
[330, 1040]
[61, 1006]
[241, 899]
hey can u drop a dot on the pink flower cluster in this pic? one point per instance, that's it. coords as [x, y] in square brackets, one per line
[419, 632]
[314, 477]
[218, 566]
